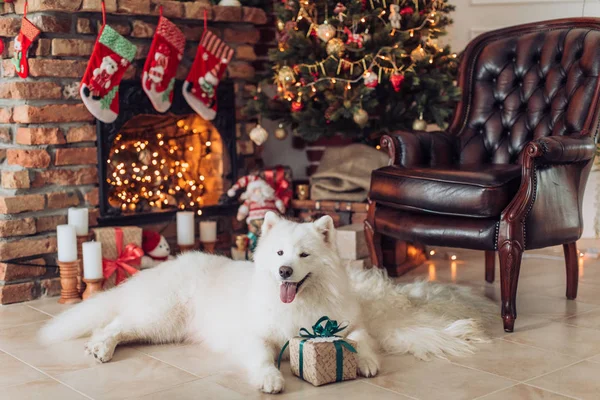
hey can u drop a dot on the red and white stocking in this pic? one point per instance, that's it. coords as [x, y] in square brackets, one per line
[200, 86]
[110, 58]
[161, 64]
[28, 33]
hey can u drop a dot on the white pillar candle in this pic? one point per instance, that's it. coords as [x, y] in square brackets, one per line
[185, 228]
[67, 243]
[78, 217]
[92, 260]
[208, 231]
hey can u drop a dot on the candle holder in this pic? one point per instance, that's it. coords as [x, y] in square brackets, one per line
[92, 286]
[209, 247]
[69, 272]
[186, 247]
[80, 240]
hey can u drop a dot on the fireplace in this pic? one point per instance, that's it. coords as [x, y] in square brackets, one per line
[151, 164]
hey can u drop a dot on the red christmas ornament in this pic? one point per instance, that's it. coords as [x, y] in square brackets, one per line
[297, 106]
[397, 79]
[407, 11]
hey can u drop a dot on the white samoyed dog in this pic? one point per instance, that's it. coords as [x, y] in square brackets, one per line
[296, 278]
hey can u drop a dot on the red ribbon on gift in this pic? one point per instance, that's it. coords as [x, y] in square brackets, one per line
[276, 178]
[126, 255]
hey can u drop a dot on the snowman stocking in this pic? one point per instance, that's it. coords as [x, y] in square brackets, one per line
[100, 84]
[161, 65]
[199, 88]
[28, 33]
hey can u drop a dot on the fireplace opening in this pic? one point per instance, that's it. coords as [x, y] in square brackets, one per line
[154, 164]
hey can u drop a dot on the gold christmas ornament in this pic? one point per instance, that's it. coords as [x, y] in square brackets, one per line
[280, 132]
[335, 47]
[418, 54]
[280, 25]
[361, 117]
[325, 32]
[419, 124]
[286, 75]
[258, 135]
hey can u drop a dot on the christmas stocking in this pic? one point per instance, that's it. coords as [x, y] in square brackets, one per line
[199, 88]
[161, 65]
[29, 32]
[100, 84]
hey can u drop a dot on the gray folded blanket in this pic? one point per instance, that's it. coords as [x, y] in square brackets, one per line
[344, 173]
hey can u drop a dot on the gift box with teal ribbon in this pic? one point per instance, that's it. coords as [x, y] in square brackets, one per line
[323, 357]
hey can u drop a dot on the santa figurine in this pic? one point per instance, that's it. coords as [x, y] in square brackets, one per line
[156, 249]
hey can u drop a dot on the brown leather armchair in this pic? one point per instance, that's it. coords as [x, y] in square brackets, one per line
[509, 173]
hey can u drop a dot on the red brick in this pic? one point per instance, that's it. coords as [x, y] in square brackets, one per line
[171, 9]
[8, 69]
[13, 272]
[27, 247]
[50, 287]
[141, 51]
[28, 158]
[256, 16]
[48, 5]
[72, 47]
[240, 70]
[2, 155]
[18, 204]
[245, 53]
[93, 215]
[92, 197]
[49, 223]
[62, 199]
[84, 25]
[122, 28]
[192, 32]
[82, 133]
[30, 90]
[6, 115]
[9, 26]
[51, 113]
[250, 35]
[195, 10]
[96, 5]
[227, 14]
[142, 29]
[39, 67]
[15, 179]
[5, 136]
[76, 156]
[36, 136]
[133, 6]
[17, 227]
[81, 176]
[17, 293]
[51, 23]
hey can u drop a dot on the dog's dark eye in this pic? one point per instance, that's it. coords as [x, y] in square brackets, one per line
[304, 255]
[280, 253]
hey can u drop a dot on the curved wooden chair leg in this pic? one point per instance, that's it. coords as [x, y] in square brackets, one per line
[510, 254]
[572, 264]
[373, 238]
[490, 266]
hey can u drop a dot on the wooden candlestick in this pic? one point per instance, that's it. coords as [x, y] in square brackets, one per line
[69, 294]
[92, 286]
[80, 240]
[187, 247]
[209, 247]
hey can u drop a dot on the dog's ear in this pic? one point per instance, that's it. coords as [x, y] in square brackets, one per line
[269, 221]
[324, 226]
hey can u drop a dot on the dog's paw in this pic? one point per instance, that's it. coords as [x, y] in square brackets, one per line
[271, 381]
[102, 351]
[367, 366]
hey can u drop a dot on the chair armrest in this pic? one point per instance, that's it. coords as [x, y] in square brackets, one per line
[407, 148]
[563, 149]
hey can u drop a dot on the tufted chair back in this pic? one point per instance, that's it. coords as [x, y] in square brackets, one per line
[524, 83]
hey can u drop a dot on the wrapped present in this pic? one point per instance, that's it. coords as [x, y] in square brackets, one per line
[280, 179]
[322, 357]
[121, 253]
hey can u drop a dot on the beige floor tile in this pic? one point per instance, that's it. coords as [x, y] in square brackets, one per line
[14, 372]
[19, 314]
[590, 319]
[359, 390]
[524, 392]
[514, 361]
[198, 389]
[562, 338]
[40, 389]
[196, 359]
[55, 359]
[49, 305]
[128, 378]
[586, 293]
[440, 379]
[579, 380]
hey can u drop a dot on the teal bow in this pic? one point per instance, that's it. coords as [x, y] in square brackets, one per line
[329, 329]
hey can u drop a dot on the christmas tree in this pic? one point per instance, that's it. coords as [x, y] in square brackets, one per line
[359, 68]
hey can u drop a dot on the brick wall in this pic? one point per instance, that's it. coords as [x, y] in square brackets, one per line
[47, 136]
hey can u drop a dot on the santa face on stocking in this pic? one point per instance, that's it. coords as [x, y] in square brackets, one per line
[101, 79]
[158, 67]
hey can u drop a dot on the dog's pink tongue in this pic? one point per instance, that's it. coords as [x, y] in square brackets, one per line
[287, 291]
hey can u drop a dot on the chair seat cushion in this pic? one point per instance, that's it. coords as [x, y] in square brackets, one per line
[479, 191]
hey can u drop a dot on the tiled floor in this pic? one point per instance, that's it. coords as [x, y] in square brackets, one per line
[553, 354]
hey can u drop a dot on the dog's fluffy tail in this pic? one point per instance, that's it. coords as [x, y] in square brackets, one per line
[81, 319]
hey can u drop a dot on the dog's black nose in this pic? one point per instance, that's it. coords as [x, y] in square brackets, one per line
[285, 272]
